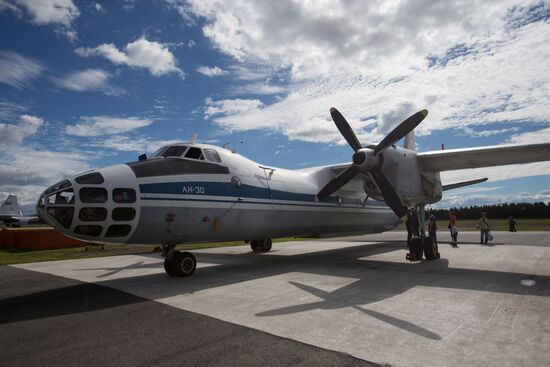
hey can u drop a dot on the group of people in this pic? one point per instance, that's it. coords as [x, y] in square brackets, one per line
[413, 225]
[484, 225]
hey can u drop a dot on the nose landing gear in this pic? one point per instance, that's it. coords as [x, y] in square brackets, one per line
[178, 264]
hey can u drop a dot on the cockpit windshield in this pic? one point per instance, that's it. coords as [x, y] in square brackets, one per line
[158, 152]
[185, 151]
[171, 151]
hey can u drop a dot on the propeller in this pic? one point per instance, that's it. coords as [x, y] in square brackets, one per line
[367, 158]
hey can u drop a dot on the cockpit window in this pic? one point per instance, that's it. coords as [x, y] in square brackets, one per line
[194, 153]
[212, 155]
[174, 151]
[90, 178]
[159, 151]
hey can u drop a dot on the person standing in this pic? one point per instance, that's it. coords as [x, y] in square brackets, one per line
[454, 230]
[432, 228]
[511, 224]
[484, 226]
[412, 224]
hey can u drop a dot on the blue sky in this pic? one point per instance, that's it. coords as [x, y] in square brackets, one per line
[89, 84]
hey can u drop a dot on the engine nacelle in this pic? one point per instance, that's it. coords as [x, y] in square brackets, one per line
[413, 185]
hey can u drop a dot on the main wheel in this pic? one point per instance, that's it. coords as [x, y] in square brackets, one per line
[181, 264]
[430, 249]
[261, 245]
[256, 245]
[266, 245]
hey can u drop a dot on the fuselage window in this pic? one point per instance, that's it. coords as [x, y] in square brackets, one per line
[64, 215]
[212, 155]
[122, 214]
[174, 151]
[118, 230]
[92, 214]
[61, 197]
[194, 153]
[93, 195]
[124, 195]
[88, 230]
[58, 186]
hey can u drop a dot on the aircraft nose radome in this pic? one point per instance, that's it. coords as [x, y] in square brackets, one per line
[98, 206]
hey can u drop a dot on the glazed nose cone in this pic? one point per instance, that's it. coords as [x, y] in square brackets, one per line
[100, 206]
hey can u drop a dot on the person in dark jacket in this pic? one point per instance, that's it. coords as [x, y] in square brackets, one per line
[432, 228]
[511, 224]
[412, 224]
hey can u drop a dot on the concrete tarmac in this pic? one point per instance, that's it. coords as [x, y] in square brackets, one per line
[477, 305]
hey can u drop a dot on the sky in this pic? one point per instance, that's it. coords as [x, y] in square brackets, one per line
[88, 84]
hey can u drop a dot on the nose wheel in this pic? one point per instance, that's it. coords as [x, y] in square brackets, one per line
[179, 264]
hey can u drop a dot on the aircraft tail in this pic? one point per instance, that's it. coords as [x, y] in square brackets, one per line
[410, 141]
[11, 207]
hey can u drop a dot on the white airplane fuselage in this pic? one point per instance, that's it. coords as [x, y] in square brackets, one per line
[180, 200]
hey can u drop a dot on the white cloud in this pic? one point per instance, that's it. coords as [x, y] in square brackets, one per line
[11, 134]
[17, 70]
[211, 71]
[497, 173]
[106, 125]
[154, 56]
[258, 88]
[61, 13]
[231, 106]
[27, 172]
[99, 8]
[532, 137]
[10, 110]
[88, 80]
[137, 144]
[191, 44]
[472, 64]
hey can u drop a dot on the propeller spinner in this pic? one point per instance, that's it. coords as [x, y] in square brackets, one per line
[367, 159]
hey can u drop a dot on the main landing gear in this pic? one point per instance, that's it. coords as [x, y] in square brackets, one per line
[260, 245]
[422, 246]
[178, 264]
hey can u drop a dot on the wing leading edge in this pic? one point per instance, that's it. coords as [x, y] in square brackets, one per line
[498, 155]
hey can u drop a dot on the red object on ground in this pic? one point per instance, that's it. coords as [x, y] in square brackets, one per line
[41, 238]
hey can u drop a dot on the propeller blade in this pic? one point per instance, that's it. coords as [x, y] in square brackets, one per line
[345, 129]
[389, 194]
[400, 131]
[343, 178]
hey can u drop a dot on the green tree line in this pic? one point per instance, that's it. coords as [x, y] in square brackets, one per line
[498, 211]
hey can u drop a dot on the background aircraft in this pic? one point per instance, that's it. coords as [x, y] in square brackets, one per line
[199, 193]
[11, 214]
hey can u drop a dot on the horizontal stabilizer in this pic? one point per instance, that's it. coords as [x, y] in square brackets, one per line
[463, 183]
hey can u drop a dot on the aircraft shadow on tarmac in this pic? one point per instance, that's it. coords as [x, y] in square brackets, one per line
[376, 280]
[73, 299]
[116, 270]
[374, 284]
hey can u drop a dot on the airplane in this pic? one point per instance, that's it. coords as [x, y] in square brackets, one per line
[190, 192]
[11, 215]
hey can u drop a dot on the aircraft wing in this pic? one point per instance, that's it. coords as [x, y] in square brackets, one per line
[498, 155]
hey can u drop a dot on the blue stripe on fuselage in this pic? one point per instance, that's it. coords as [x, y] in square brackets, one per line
[246, 191]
